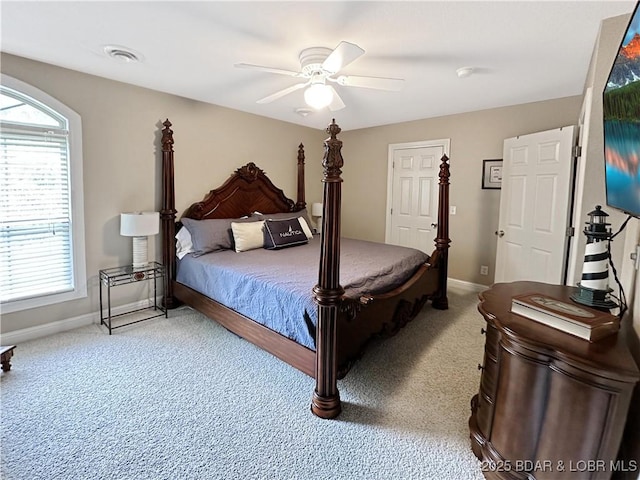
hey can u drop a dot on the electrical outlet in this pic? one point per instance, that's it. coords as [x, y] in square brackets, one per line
[484, 270]
[452, 209]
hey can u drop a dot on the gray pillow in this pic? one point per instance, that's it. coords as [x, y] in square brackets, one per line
[209, 235]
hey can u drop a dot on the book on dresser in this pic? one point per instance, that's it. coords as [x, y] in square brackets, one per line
[578, 320]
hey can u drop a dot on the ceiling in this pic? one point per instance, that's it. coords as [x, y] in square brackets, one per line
[520, 51]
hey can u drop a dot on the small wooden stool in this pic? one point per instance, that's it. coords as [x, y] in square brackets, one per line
[5, 356]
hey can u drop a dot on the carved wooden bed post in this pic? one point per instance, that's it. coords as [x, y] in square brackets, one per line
[168, 215]
[440, 300]
[300, 202]
[327, 294]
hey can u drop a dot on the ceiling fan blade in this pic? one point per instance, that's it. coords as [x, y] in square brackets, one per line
[342, 55]
[337, 103]
[282, 93]
[267, 69]
[378, 83]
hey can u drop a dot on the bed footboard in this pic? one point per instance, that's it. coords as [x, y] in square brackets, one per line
[345, 327]
[361, 320]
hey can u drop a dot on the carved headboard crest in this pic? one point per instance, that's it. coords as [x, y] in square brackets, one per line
[250, 172]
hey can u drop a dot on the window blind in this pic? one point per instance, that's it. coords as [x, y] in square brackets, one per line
[36, 255]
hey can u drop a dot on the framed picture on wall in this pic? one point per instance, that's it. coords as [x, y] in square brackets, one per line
[491, 174]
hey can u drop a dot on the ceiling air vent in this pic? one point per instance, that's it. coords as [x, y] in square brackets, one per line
[122, 54]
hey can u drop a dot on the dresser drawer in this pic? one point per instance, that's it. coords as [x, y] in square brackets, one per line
[489, 377]
[491, 343]
[484, 415]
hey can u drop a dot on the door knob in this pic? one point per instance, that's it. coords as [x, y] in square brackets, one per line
[500, 233]
[434, 225]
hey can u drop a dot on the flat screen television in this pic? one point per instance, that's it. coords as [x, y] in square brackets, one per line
[621, 122]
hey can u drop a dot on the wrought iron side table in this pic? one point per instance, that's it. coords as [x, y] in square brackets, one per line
[127, 274]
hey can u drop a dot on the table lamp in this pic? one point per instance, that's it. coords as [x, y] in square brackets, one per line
[139, 225]
[316, 211]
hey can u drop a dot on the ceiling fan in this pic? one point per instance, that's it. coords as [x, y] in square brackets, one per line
[320, 65]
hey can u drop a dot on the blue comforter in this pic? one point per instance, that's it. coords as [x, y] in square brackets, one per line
[274, 287]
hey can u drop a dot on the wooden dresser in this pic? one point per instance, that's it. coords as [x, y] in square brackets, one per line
[550, 405]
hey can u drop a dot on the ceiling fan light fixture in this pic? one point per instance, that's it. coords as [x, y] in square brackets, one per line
[318, 96]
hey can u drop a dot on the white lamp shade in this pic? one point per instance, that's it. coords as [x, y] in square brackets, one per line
[316, 209]
[139, 224]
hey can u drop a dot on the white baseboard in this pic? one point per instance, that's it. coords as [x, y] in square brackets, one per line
[466, 286]
[31, 333]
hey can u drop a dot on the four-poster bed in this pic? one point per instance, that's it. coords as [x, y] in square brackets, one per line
[344, 323]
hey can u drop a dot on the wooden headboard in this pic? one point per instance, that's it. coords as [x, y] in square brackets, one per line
[246, 191]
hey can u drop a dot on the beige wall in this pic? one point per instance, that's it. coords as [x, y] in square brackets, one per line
[122, 163]
[474, 137]
[121, 166]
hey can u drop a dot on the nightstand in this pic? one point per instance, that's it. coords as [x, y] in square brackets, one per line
[550, 405]
[127, 274]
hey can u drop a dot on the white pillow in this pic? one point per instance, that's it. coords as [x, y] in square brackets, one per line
[184, 244]
[247, 236]
[305, 227]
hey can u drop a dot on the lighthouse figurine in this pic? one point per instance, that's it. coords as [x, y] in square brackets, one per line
[593, 290]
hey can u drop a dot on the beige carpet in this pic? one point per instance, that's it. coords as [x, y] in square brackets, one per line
[182, 398]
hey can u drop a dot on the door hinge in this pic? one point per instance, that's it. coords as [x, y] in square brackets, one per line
[577, 151]
[571, 231]
[635, 256]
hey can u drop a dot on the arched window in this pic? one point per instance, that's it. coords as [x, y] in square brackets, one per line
[42, 258]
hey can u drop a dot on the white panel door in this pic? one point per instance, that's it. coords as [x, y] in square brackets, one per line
[536, 187]
[414, 197]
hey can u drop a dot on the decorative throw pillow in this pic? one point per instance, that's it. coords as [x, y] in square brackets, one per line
[283, 233]
[283, 216]
[301, 215]
[211, 235]
[305, 228]
[247, 236]
[208, 235]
